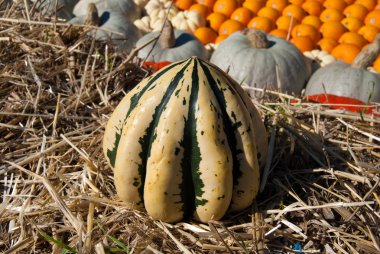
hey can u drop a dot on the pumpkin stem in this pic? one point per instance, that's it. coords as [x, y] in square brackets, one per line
[92, 17]
[167, 39]
[257, 38]
[366, 58]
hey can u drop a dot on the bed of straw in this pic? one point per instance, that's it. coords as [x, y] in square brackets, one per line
[319, 191]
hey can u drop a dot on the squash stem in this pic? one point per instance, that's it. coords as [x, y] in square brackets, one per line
[167, 39]
[257, 38]
[92, 17]
[366, 58]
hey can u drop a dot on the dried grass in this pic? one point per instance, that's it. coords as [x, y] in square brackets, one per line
[57, 90]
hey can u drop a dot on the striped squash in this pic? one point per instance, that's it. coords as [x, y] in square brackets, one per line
[182, 143]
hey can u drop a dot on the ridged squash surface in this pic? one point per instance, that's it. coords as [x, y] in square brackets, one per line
[183, 144]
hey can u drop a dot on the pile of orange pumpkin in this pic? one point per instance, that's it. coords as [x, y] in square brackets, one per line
[341, 27]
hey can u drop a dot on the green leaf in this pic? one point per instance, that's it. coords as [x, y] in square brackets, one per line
[65, 247]
[123, 247]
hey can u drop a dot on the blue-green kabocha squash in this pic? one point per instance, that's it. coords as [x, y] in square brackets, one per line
[173, 45]
[182, 143]
[256, 59]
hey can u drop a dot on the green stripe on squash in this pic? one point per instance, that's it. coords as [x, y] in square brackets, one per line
[133, 99]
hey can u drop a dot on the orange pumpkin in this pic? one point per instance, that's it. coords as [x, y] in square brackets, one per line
[306, 30]
[376, 64]
[332, 30]
[208, 3]
[313, 21]
[369, 4]
[345, 52]
[215, 20]
[277, 4]
[183, 4]
[201, 9]
[280, 33]
[303, 43]
[339, 5]
[327, 44]
[240, 2]
[356, 10]
[353, 38]
[261, 23]
[373, 18]
[253, 5]
[220, 38]
[369, 32]
[269, 13]
[297, 2]
[230, 26]
[243, 15]
[352, 24]
[313, 7]
[348, 2]
[286, 23]
[205, 34]
[226, 7]
[331, 15]
[294, 11]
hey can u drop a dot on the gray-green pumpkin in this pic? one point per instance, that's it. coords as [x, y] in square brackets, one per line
[256, 59]
[349, 80]
[127, 8]
[115, 27]
[173, 45]
[64, 8]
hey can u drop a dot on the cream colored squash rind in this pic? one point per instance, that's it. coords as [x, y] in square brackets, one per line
[186, 145]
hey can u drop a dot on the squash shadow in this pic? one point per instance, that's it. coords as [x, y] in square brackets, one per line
[104, 18]
[308, 169]
[183, 39]
[301, 159]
